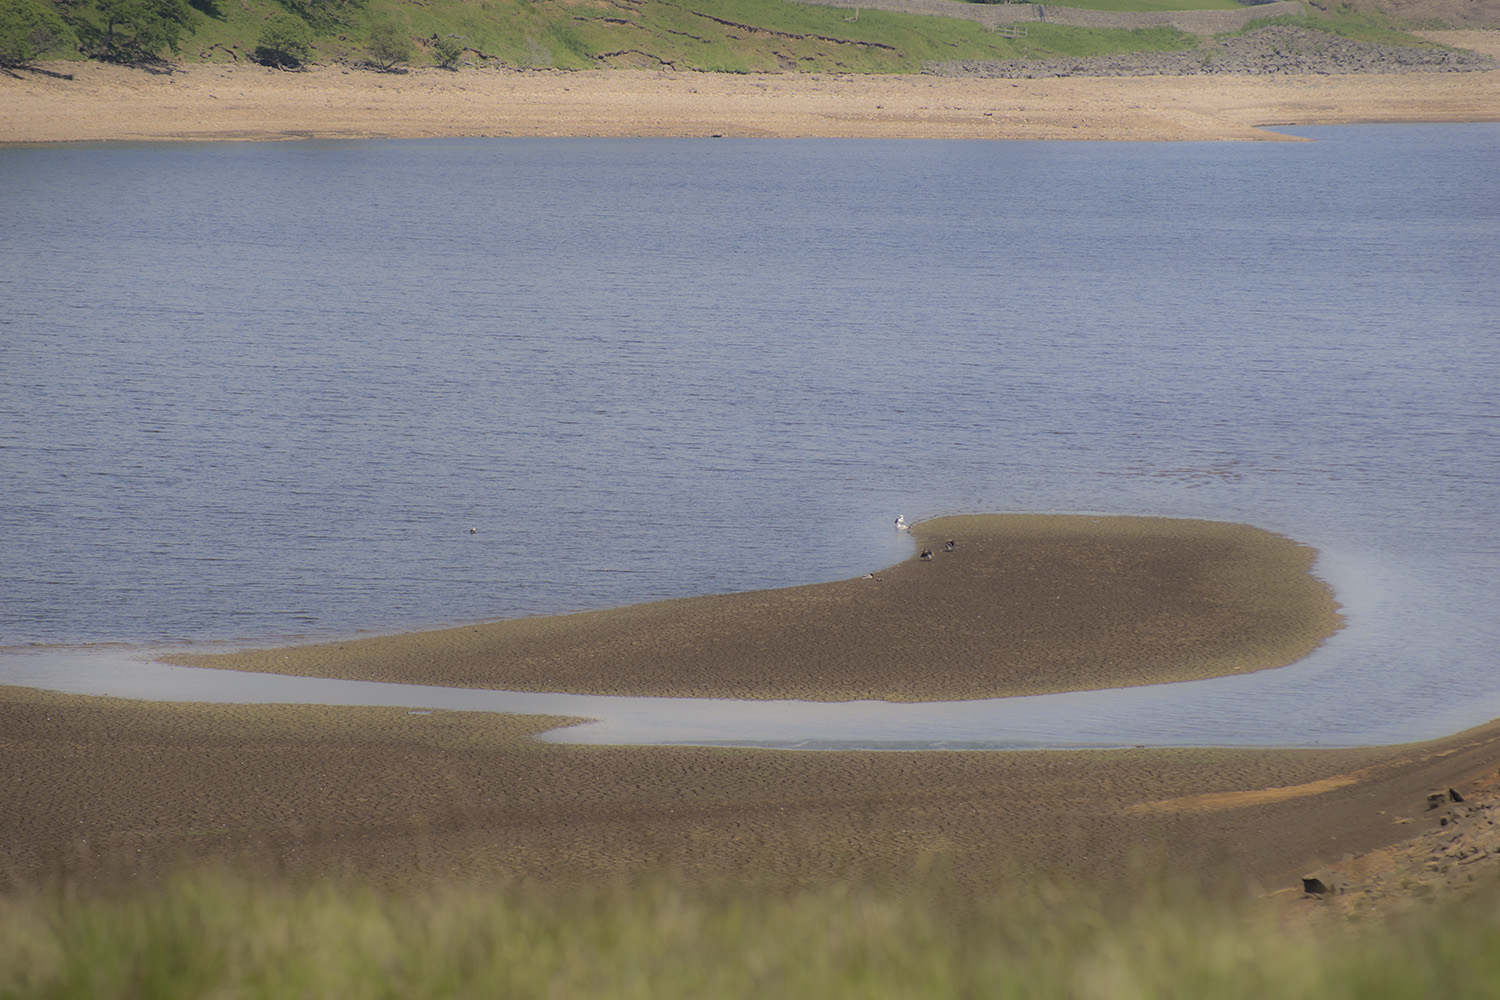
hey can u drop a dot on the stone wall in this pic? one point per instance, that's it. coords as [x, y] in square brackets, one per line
[1199, 22]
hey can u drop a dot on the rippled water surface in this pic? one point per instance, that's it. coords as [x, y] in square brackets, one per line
[261, 391]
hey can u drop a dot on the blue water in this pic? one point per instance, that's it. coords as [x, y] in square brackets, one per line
[255, 392]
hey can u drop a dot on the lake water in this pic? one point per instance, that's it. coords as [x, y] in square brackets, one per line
[261, 392]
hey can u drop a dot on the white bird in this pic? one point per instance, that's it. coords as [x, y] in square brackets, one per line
[901, 523]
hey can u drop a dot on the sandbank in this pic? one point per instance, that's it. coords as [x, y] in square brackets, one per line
[219, 102]
[1005, 605]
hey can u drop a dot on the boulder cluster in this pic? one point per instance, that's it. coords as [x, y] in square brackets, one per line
[1273, 50]
[1459, 851]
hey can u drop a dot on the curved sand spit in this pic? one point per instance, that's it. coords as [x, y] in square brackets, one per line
[1020, 604]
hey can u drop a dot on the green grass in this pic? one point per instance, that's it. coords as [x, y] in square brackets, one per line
[1131, 6]
[1043, 41]
[742, 36]
[1360, 26]
[211, 934]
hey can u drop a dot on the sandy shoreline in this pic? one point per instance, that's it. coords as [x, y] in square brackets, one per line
[217, 102]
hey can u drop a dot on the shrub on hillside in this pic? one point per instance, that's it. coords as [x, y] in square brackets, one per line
[29, 29]
[388, 46]
[446, 49]
[136, 31]
[285, 41]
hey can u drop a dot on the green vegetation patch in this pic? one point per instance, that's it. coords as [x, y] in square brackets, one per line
[1147, 6]
[1360, 26]
[737, 36]
[30, 30]
[741, 36]
[211, 934]
[1048, 40]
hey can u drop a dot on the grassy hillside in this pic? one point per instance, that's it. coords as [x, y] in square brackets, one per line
[715, 35]
[741, 36]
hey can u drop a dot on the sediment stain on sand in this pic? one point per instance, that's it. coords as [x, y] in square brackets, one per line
[1400, 759]
[1247, 797]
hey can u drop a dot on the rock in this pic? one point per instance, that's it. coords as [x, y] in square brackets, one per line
[1322, 883]
[1441, 797]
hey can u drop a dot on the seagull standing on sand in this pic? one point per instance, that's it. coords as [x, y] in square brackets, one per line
[901, 522]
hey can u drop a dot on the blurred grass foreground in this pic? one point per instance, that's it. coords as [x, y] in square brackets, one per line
[206, 933]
